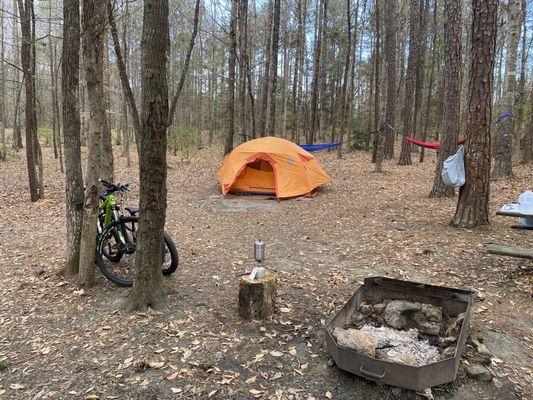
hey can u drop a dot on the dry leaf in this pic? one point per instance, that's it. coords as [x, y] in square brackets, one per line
[173, 376]
[275, 353]
[211, 393]
[251, 380]
[156, 364]
[17, 386]
[329, 395]
[176, 390]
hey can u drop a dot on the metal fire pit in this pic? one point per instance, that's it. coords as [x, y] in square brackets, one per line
[376, 290]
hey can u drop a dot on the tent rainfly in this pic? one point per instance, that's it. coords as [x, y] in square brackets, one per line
[271, 165]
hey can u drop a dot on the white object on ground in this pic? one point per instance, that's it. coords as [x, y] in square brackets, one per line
[403, 347]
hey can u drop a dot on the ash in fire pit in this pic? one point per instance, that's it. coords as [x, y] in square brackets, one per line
[401, 331]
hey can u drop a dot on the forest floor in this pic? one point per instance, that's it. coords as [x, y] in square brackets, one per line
[58, 342]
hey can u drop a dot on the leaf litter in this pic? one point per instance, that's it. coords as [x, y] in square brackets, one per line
[57, 340]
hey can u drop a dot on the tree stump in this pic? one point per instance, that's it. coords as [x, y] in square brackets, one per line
[257, 297]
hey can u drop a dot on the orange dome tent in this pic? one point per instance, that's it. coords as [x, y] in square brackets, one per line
[271, 165]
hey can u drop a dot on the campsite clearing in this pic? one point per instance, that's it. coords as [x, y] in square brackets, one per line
[62, 343]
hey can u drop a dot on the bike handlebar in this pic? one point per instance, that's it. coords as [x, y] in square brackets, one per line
[112, 187]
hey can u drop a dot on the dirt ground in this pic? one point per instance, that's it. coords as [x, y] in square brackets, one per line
[57, 342]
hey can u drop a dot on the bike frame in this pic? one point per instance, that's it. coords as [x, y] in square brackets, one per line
[109, 207]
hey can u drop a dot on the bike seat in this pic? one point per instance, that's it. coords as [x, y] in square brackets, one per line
[132, 210]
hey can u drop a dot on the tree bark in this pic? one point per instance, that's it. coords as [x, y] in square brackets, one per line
[473, 204]
[390, 61]
[148, 290]
[527, 140]
[3, 150]
[231, 79]
[94, 24]
[183, 74]
[313, 113]
[126, 87]
[503, 149]
[425, 128]
[410, 80]
[243, 54]
[70, 77]
[17, 86]
[274, 68]
[452, 93]
[346, 78]
[379, 146]
[27, 57]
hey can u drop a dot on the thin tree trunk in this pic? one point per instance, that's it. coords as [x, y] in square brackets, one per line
[122, 71]
[274, 68]
[410, 82]
[390, 61]
[527, 140]
[148, 287]
[265, 94]
[53, 121]
[93, 23]
[421, 65]
[125, 122]
[473, 204]
[3, 150]
[231, 79]
[503, 149]
[27, 56]
[17, 86]
[313, 113]
[243, 54]
[346, 78]
[452, 93]
[378, 149]
[70, 76]
[425, 128]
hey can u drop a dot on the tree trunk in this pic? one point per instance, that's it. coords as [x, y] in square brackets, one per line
[527, 140]
[125, 122]
[410, 81]
[421, 65]
[473, 204]
[126, 87]
[54, 120]
[265, 92]
[452, 93]
[231, 79]
[93, 23]
[148, 290]
[70, 77]
[503, 149]
[27, 57]
[313, 112]
[390, 60]
[274, 68]
[347, 58]
[379, 147]
[17, 86]
[243, 54]
[425, 128]
[3, 149]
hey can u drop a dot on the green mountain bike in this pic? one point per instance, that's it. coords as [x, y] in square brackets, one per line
[117, 238]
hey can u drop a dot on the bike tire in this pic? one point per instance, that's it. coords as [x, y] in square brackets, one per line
[173, 254]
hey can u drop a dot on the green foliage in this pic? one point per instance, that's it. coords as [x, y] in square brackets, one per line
[3, 366]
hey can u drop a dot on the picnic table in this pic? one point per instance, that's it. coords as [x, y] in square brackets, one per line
[513, 251]
[517, 214]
